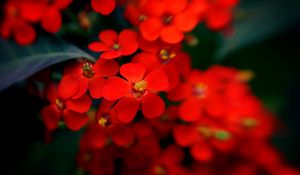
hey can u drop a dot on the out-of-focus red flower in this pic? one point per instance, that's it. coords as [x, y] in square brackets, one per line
[16, 24]
[136, 89]
[91, 76]
[106, 126]
[105, 7]
[219, 13]
[113, 45]
[52, 19]
[71, 111]
[168, 20]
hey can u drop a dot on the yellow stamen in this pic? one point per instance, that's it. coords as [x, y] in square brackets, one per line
[165, 55]
[140, 85]
[102, 121]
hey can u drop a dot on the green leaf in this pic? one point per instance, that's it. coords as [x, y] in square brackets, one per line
[261, 19]
[19, 62]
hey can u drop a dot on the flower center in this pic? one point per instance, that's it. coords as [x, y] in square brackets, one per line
[249, 122]
[87, 70]
[167, 19]
[12, 11]
[222, 135]
[205, 131]
[116, 46]
[166, 55]
[200, 90]
[142, 18]
[139, 88]
[159, 170]
[103, 121]
[60, 104]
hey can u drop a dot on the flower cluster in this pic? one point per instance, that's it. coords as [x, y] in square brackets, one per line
[142, 107]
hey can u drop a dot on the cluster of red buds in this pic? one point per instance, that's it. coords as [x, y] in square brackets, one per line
[141, 106]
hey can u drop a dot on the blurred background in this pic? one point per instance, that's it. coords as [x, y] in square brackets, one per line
[264, 38]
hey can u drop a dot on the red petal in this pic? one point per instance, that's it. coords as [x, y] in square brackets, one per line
[173, 76]
[128, 42]
[104, 7]
[73, 120]
[149, 60]
[133, 72]
[157, 80]
[67, 87]
[185, 135]
[80, 105]
[218, 19]
[52, 20]
[98, 137]
[121, 135]
[51, 93]
[152, 105]
[186, 21]
[61, 4]
[83, 84]
[98, 47]
[171, 34]
[32, 11]
[108, 36]
[51, 116]
[111, 54]
[106, 68]
[116, 88]
[174, 7]
[201, 152]
[96, 85]
[24, 33]
[181, 92]
[151, 28]
[73, 69]
[190, 110]
[126, 109]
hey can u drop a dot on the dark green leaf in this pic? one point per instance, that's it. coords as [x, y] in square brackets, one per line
[261, 19]
[19, 62]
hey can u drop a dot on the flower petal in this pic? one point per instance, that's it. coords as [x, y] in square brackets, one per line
[121, 135]
[61, 4]
[106, 68]
[201, 152]
[180, 92]
[149, 60]
[174, 7]
[108, 36]
[151, 28]
[190, 110]
[116, 88]
[73, 120]
[126, 109]
[80, 105]
[152, 105]
[51, 116]
[98, 136]
[52, 20]
[185, 135]
[111, 54]
[133, 72]
[96, 85]
[172, 35]
[128, 42]
[104, 7]
[157, 80]
[67, 87]
[24, 33]
[98, 46]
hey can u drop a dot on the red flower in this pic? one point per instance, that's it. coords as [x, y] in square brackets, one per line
[71, 111]
[90, 76]
[137, 89]
[14, 23]
[52, 19]
[106, 126]
[113, 45]
[168, 20]
[219, 13]
[104, 7]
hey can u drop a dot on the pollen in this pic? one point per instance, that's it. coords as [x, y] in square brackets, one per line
[249, 122]
[59, 104]
[159, 170]
[87, 70]
[140, 86]
[245, 75]
[102, 121]
[200, 90]
[116, 46]
[205, 131]
[222, 135]
[166, 55]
